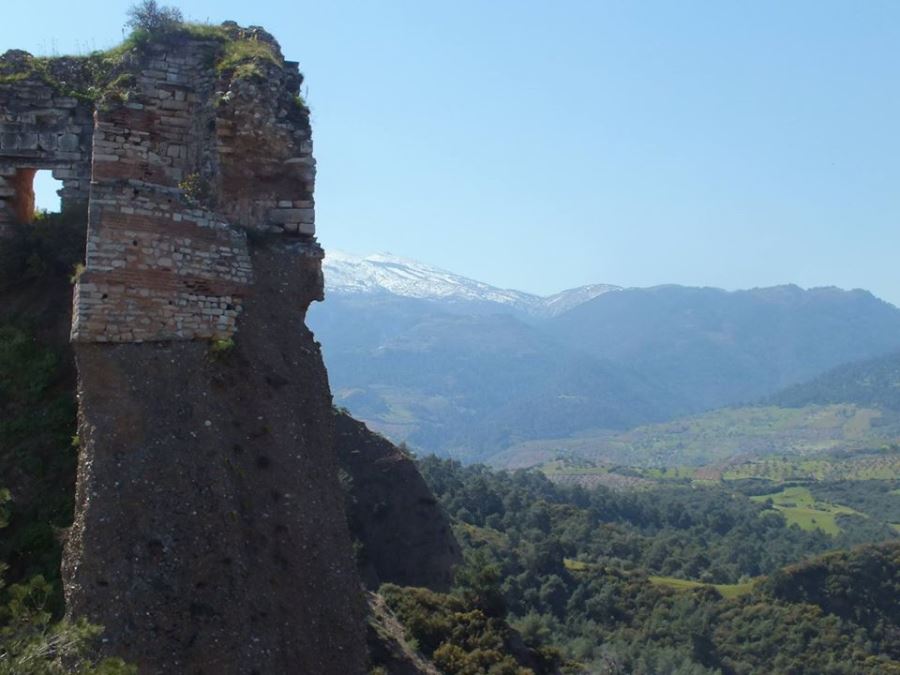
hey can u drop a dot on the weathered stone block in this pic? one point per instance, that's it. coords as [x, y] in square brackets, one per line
[292, 215]
[69, 142]
[48, 141]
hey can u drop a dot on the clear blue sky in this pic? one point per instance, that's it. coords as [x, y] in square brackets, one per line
[544, 145]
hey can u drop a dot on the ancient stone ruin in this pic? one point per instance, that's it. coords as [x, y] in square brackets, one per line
[210, 533]
[176, 162]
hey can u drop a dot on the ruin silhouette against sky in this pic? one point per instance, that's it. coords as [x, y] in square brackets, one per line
[629, 143]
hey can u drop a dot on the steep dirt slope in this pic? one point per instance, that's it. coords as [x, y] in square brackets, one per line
[405, 535]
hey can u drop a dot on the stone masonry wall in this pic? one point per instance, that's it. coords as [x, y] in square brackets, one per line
[186, 162]
[41, 127]
[178, 161]
[157, 274]
[158, 266]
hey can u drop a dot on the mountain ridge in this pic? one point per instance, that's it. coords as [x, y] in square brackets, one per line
[384, 272]
[387, 273]
[453, 365]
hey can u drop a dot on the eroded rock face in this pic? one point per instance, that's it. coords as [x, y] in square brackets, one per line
[405, 535]
[209, 533]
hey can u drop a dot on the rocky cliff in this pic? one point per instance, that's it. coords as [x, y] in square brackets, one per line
[404, 535]
[210, 534]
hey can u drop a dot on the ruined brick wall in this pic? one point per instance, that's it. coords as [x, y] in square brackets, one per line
[41, 127]
[178, 160]
[267, 170]
[159, 266]
[155, 274]
[182, 168]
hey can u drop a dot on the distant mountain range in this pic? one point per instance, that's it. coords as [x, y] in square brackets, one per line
[712, 347]
[385, 273]
[454, 365]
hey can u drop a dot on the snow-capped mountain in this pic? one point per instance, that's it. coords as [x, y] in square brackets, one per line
[382, 272]
[554, 305]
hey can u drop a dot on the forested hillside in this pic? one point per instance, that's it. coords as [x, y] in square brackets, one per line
[874, 383]
[677, 579]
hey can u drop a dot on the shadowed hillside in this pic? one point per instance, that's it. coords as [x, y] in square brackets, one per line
[872, 383]
[715, 348]
[473, 376]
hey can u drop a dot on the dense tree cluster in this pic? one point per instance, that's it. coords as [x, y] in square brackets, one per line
[861, 586]
[706, 533]
[574, 569]
[875, 500]
[37, 457]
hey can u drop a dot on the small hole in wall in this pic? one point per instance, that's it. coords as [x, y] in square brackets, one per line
[134, 242]
[104, 296]
[46, 193]
[34, 193]
[136, 193]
